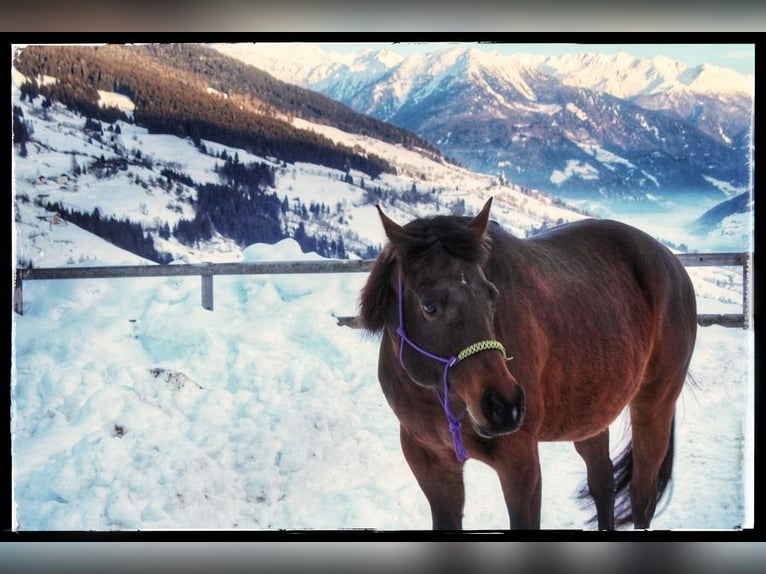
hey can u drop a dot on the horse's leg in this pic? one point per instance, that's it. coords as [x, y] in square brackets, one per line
[440, 478]
[521, 481]
[595, 452]
[652, 438]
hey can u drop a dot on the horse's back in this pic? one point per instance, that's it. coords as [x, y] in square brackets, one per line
[602, 244]
[606, 248]
[612, 307]
[660, 313]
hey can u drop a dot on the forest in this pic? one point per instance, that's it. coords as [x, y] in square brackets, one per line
[177, 102]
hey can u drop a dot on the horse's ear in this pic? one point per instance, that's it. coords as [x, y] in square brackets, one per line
[480, 222]
[394, 232]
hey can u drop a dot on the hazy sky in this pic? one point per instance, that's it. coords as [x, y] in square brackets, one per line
[739, 57]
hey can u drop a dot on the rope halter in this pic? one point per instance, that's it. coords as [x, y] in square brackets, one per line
[453, 421]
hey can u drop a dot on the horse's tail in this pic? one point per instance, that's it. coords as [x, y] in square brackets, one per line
[623, 473]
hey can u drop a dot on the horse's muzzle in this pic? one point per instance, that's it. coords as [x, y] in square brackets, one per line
[501, 415]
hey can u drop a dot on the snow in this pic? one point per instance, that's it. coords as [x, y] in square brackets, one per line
[573, 167]
[135, 408]
[571, 108]
[626, 76]
[728, 189]
[622, 75]
[113, 99]
[707, 78]
[287, 61]
[605, 156]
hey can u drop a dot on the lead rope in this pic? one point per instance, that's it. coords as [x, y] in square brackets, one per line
[452, 420]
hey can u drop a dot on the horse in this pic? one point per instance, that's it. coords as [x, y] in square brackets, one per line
[492, 343]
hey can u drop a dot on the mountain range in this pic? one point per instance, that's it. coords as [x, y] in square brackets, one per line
[577, 126]
[181, 153]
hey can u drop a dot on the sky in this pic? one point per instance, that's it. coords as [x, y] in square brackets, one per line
[738, 57]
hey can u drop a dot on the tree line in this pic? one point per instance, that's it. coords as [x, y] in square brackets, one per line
[176, 102]
[123, 233]
[243, 209]
[229, 75]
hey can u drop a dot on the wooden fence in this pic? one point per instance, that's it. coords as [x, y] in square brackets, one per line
[743, 260]
[207, 271]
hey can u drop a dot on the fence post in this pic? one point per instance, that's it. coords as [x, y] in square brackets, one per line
[207, 290]
[745, 291]
[18, 299]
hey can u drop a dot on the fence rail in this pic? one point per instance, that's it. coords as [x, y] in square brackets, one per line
[207, 271]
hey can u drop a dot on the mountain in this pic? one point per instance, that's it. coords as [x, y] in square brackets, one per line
[716, 100]
[576, 126]
[729, 220]
[166, 164]
[193, 91]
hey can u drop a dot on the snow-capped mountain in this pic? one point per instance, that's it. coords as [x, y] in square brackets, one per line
[716, 100]
[152, 190]
[626, 76]
[575, 125]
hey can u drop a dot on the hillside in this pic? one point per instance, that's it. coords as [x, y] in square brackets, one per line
[729, 219]
[230, 76]
[186, 200]
[182, 100]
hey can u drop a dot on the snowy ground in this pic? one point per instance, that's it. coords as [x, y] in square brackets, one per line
[134, 408]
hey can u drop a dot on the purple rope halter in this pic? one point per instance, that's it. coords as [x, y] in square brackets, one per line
[443, 394]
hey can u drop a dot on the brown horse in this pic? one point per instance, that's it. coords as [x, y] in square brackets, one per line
[597, 316]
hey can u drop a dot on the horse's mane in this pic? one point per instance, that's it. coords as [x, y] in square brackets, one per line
[377, 293]
[425, 237]
[445, 232]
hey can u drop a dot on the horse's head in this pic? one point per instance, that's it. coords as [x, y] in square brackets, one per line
[446, 311]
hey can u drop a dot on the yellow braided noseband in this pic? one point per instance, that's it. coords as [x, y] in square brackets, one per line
[482, 346]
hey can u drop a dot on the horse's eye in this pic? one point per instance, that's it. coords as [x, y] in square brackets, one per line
[430, 309]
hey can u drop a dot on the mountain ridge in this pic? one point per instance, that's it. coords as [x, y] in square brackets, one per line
[685, 128]
[79, 143]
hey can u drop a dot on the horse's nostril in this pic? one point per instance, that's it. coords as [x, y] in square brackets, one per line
[501, 415]
[494, 408]
[519, 408]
